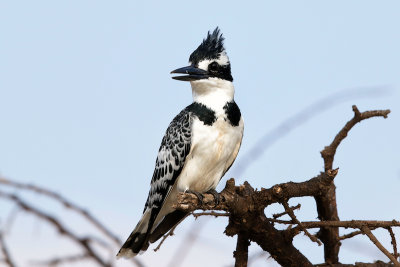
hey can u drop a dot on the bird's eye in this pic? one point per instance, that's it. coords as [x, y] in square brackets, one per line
[213, 66]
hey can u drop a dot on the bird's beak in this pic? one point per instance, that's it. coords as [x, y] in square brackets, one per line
[193, 74]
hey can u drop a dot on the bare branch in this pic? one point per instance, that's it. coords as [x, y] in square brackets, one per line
[82, 242]
[300, 225]
[7, 257]
[329, 152]
[326, 203]
[170, 233]
[368, 232]
[394, 243]
[276, 216]
[242, 250]
[66, 203]
[210, 213]
[350, 235]
[313, 187]
[372, 224]
[357, 264]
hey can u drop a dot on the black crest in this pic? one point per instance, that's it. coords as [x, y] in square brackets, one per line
[210, 48]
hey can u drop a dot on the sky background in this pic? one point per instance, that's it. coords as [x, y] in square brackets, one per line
[86, 96]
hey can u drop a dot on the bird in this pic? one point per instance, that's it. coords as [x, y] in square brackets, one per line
[199, 146]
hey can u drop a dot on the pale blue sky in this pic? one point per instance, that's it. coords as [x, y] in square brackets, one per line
[86, 95]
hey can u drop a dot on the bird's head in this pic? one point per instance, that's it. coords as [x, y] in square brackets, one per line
[208, 62]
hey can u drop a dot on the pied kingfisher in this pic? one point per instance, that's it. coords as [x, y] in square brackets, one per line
[199, 146]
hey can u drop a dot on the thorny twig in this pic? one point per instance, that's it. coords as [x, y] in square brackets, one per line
[394, 243]
[300, 225]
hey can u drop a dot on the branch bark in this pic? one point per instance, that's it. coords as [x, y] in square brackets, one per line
[245, 207]
[326, 203]
[242, 250]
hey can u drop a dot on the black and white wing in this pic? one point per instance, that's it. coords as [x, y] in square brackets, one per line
[170, 159]
[175, 146]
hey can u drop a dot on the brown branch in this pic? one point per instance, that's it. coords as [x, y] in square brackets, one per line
[326, 203]
[170, 233]
[6, 254]
[66, 203]
[368, 232]
[394, 243]
[357, 264]
[242, 250]
[278, 244]
[210, 213]
[352, 224]
[276, 216]
[350, 235]
[329, 152]
[300, 225]
[246, 208]
[372, 224]
[313, 187]
[82, 242]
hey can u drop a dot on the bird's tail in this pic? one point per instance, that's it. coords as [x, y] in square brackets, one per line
[144, 232]
[137, 240]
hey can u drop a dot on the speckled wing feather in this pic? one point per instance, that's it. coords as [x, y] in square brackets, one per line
[171, 157]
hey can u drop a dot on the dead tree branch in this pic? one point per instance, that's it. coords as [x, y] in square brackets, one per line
[326, 203]
[245, 207]
[242, 250]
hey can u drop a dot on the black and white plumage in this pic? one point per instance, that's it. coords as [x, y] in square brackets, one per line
[199, 146]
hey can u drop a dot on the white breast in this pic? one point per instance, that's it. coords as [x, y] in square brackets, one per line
[213, 150]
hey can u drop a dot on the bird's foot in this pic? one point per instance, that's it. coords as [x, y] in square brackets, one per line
[215, 195]
[197, 194]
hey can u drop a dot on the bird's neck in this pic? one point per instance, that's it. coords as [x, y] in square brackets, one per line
[213, 93]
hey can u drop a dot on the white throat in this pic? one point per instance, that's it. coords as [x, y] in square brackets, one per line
[213, 93]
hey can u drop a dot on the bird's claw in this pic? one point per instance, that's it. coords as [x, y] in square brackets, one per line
[197, 194]
[215, 195]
